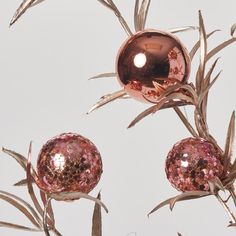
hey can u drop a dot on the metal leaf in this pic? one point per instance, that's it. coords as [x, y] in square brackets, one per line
[185, 122]
[18, 227]
[159, 105]
[97, 219]
[22, 9]
[205, 84]
[179, 234]
[187, 196]
[37, 2]
[23, 206]
[178, 198]
[29, 183]
[106, 99]
[206, 90]
[21, 183]
[136, 17]
[228, 152]
[104, 75]
[75, 196]
[232, 30]
[20, 159]
[143, 13]
[197, 45]
[217, 49]
[45, 226]
[110, 4]
[49, 208]
[183, 29]
[203, 53]
[215, 185]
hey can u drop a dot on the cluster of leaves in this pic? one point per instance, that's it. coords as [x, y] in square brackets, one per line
[42, 218]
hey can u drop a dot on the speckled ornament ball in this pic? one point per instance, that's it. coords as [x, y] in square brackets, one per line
[68, 163]
[192, 162]
[151, 56]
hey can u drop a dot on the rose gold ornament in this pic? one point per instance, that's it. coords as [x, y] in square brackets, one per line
[151, 61]
[193, 162]
[68, 163]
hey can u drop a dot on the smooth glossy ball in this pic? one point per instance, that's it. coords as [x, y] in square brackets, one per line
[151, 56]
[192, 162]
[68, 163]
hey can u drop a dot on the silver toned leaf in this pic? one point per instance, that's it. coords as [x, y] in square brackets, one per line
[69, 196]
[18, 227]
[228, 152]
[37, 2]
[136, 16]
[97, 219]
[104, 75]
[232, 30]
[107, 99]
[197, 45]
[183, 29]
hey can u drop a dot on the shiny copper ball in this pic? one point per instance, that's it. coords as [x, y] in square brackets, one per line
[151, 56]
[68, 163]
[193, 162]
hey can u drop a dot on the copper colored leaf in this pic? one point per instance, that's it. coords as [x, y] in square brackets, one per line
[107, 99]
[197, 45]
[217, 49]
[182, 29]
[104, 75]
[136, 18]
[49, 209]
[185, 122]
[29, 183]
[187, 196]
[206, 90]
[22, 9]
[45, 226]
[232, 30]
[97, 219]
[203, 52]
[22, 206]
[20, 159]
[159, 105]
[205, 84]
[182, 197]
[77, 195]
[143, 13]
[228, 152]
[111, 5]
[20, 183]
[19, 227]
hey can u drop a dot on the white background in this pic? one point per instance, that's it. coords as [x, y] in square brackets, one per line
[45, 62]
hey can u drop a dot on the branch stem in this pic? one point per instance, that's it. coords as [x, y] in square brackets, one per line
[228, 211]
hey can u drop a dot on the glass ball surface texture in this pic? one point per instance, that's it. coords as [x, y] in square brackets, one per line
[69, 163]
[151, 56]
[192, 162]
